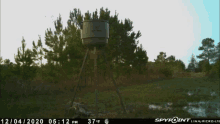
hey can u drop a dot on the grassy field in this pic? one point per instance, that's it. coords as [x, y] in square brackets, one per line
[137, 96]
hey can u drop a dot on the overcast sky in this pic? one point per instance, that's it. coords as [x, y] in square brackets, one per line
[176, 27]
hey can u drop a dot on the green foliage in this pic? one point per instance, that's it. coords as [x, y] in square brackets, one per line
[9, 74]
[6, 70]
[171, 58]
[51, 73]
[38, 51]
[25, 62]
[201, 65]
[141, 60]
[65, 52]
[193, 64]
[209, 52]
[166, 71]
[168, 66]
[188, 70]
[121, 46]
[65, 49]
[180, 64]
[1, 60]
[29, 72]
[217, 57]
[214, 70]
[217, 67]
[206, 67]
[161, 58]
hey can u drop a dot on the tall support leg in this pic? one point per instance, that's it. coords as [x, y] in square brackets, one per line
[79, 77]
[117, 90]
[96, 81]
[85, 76]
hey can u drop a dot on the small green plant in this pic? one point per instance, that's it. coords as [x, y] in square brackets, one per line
[213, 73]
[166, 72]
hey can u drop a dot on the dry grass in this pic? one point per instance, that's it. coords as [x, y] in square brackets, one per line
[57, 99]
[130, 87]
[107, 83]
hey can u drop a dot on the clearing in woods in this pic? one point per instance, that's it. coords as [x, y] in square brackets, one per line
[182, 97]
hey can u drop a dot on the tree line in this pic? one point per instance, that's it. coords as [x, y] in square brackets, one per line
[210, 57]
[65, 52]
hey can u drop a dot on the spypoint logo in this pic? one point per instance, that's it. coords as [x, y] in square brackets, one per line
[173, 120]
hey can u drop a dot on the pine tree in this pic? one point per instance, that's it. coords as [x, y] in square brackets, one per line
[141, 59]
[180, 64]
[209, 52]
[161, 58]
[66, 49]
[193, 64]
[38, 53]
[217, 51]
[25, 62]
[171, 58]
[121, 46]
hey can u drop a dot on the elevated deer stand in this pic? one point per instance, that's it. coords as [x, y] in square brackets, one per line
[95, 34]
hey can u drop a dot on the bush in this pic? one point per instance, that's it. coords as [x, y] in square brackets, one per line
[214, 71]
[217, 67]
[197, 70]
[211, 74]
[166, 72]
[51, 73]
[206, 67]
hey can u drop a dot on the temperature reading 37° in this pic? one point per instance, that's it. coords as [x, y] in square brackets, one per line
[92, 121]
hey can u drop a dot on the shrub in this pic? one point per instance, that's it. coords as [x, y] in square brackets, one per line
[211, 74]
[214, 71]
[197, 70]
[217, 67]
[51, 73]
[166, 72]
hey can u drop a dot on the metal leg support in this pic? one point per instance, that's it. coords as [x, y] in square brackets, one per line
[114, 82]
[79, 77]
[96, 81]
